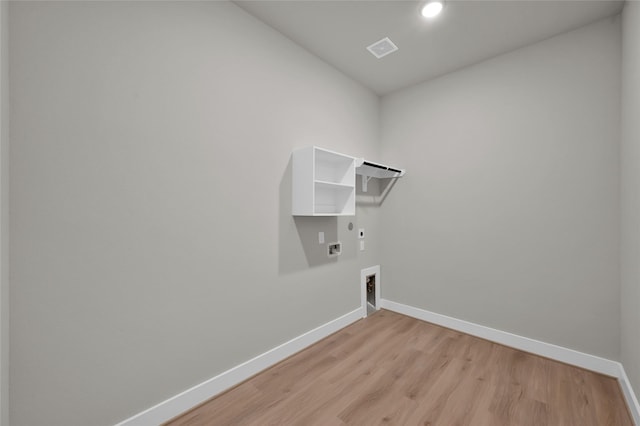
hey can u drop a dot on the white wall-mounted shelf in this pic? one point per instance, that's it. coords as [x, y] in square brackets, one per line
[323, 183]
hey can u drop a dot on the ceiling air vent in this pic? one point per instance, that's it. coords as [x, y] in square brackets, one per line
[382, 48]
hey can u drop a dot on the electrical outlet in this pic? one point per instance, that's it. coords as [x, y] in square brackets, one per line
[320, 237]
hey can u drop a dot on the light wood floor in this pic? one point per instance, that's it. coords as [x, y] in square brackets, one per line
[395, 370]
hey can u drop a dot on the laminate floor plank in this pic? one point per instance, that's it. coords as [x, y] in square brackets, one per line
[390, 369]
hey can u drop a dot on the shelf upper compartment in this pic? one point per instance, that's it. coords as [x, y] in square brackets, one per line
[376, 170]
[333, 167]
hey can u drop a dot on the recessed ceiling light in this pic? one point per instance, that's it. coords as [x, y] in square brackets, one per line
[432, 9]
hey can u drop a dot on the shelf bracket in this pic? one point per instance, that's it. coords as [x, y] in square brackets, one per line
[365, 181]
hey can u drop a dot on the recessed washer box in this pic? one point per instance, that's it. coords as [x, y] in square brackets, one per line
[334, 249]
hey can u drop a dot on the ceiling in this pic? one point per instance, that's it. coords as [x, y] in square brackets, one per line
[466, 32]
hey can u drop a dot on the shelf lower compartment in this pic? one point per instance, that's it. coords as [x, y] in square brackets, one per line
[332, 199]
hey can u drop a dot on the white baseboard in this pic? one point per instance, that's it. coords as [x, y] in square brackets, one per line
[182, 402]
[559, 353]
[547, 350]
[630, 396]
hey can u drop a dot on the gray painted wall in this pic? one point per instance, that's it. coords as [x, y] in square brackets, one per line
[630, 155]
[4, 213]
[150, 141]
[152, 243]
[509, 213]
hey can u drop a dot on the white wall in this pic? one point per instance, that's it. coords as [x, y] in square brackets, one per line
[4, 213]
[509, 213]
[152, 242]
[150, 140]
[630, 155]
